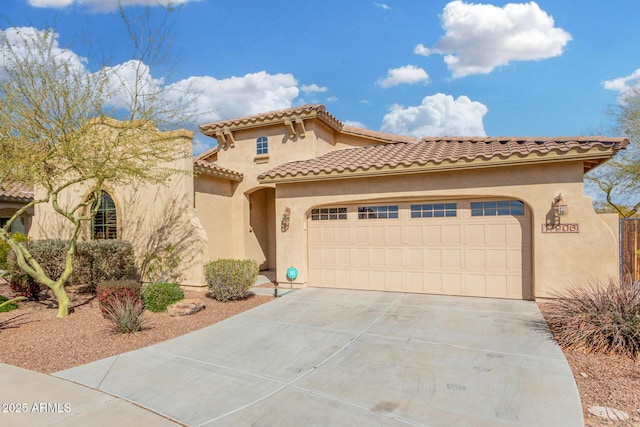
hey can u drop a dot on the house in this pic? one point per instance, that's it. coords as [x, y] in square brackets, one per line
[13, 197]
[352, 208]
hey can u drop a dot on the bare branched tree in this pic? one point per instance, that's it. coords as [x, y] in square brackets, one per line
[619, 179]
[53, 133]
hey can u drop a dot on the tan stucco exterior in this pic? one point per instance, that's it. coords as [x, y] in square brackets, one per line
[233, 208]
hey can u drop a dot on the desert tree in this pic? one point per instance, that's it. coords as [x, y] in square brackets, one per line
[619, 179]
[53, 112]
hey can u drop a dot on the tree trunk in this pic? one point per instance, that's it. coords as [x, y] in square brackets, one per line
[63, 299]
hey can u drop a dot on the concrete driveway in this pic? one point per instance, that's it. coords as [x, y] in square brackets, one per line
[354, 358]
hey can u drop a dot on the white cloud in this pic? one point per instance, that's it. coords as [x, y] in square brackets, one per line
[104, 5]
[480, 37]
[313, 88]
[409, 74]
[421, 49]
[215, 99]
[332, 99]
[220, 99]
[355, 124]
[24, 41]
[624, 85]
[382, 6]
[437, 115]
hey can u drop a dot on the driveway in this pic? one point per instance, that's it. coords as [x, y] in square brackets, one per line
[354, 358]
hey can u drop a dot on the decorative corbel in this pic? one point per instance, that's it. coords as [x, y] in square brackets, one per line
[229, 135]
[301, 123]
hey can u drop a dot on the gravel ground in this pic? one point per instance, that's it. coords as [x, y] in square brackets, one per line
[33, 338]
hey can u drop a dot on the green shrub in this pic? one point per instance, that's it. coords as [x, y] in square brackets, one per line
[125, 313]
[599, 318]
[107, 260]
[230, 279]
[93, 262]
[122, 290]
[5, 249]
[157, 296]
[6, 307]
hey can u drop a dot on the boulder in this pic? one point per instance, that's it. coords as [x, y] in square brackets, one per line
[185, 307]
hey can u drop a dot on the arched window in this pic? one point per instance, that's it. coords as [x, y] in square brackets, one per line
[104, 223]
[262, 145]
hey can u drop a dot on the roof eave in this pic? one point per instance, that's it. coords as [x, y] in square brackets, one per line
[595, 155]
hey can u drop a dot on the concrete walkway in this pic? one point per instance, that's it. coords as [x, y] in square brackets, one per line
[346, 358]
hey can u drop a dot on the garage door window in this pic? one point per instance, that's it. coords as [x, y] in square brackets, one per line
[377, 212]
[504, 207]
[434, 210]
[327, 214]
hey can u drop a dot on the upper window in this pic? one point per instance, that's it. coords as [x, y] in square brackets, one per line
[377, 212]
[326, 214]
[104, 223]
[504, 207]
[434, 210]
[262, 145]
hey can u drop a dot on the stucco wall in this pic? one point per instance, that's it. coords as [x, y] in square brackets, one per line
[151, 216]
[559, 260]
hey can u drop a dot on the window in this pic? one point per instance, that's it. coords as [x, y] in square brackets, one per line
[327, 214]
[104, 223]
[504, 207]
[377, 212]
[262, 145]
[434, 210]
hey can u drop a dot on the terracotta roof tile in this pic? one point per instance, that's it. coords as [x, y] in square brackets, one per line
[16, 192]
[386, 137]
[304, 111]
[436, 151]
[210, 168]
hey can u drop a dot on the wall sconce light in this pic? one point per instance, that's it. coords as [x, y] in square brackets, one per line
[560, 208]
[286, 217]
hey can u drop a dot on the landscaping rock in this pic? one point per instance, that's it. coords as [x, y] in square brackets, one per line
[608, 413]
[185, 307]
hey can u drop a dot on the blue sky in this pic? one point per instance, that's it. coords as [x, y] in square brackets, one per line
[423, 68]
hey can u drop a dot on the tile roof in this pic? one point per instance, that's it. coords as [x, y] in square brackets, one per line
[213, 169]
[381, 136]
[17, 192]
[443, 151]
[303, 112]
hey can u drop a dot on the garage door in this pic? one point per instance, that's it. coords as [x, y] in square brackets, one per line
[462, 247]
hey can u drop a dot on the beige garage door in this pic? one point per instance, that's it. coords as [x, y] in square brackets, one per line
[462, 247]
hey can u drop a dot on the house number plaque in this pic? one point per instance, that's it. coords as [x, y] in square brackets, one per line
[560, 228]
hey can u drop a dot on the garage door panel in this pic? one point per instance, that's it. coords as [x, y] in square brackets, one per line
[475, 284]
[451, 234]
[452, 283]
[432, 259]
[496, 234]
[413, 235]
[433, 283]
[431, 235]
[376, 236]
[497, 259]
[452, 259]
[414, 257]
[394, 280]
[393, 257]
[393, 235]
[496, 285]
[476, 259]
[462, 255]
[359, 256]
[475, 233]
[414, 281]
